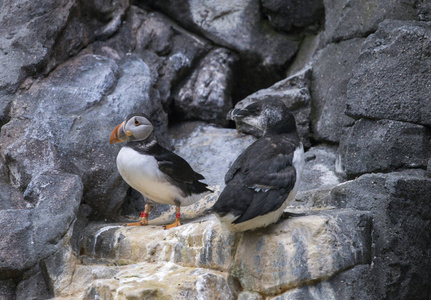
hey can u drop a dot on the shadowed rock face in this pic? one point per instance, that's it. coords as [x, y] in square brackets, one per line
[400, 205]
[237, 25]
[70, 71]
[332, 70]
[30, 235]
[206, 94]
[388, 81]
[383, 145]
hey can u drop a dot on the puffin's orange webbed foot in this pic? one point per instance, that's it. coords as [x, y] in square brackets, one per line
[175, 224]
[177, 220]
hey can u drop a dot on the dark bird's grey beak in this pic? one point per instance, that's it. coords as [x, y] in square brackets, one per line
[232, 113]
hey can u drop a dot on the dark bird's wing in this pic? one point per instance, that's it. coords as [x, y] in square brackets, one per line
[259, 181]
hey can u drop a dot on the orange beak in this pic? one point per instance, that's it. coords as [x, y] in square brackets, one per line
[116, 136]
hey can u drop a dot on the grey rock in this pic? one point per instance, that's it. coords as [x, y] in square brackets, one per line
[318, 178]
[353, 283]
[170, 51]
[249, 296]
[332, 70]
[33, 286]
[399, 203]
[357, 18]
[57, 199]
[290, 254]
[237, 25]
[204, 244]
[145, 281]
[206, 94]
[87, 22]
[383, 145]
[36, 37]
[350, 284]
[7, 289]
[294, 92]
[424, 11]
[30, 235]
[68, 119]
[289, 15]
[82, 220]
[58, 269]
[391, 77]
[16, 238]
[20, 26]
[319, 170]
[11, 198]
[310, 45]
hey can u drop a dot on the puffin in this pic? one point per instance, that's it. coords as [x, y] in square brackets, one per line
[264, 178]
[154, 171]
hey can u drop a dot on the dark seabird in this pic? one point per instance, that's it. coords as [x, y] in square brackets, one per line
[157, 173]
[264, 179]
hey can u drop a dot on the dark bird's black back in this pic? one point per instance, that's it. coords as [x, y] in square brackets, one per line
[260, 178]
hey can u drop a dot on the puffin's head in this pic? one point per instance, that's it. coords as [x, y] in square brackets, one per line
[136, 127]
[267, 115]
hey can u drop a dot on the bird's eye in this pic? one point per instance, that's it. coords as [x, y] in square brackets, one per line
[137, 122]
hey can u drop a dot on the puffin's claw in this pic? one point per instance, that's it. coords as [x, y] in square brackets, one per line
[175, 224]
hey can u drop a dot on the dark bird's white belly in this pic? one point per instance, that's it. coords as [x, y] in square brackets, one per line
[142, 173]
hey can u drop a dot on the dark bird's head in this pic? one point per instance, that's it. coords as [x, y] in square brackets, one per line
[269, 116]
[136, 127]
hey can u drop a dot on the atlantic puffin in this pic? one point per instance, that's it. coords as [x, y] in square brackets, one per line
[157, 173]
[264, 179]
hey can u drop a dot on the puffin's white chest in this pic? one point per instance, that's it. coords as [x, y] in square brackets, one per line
[142, 173]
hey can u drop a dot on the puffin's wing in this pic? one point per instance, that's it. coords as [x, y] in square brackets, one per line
[176, 167]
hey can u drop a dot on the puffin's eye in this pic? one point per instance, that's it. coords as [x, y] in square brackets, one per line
[137, 122]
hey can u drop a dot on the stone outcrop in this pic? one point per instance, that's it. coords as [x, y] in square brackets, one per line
[203, 256]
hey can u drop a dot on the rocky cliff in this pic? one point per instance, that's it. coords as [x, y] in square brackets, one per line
[356, 75]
